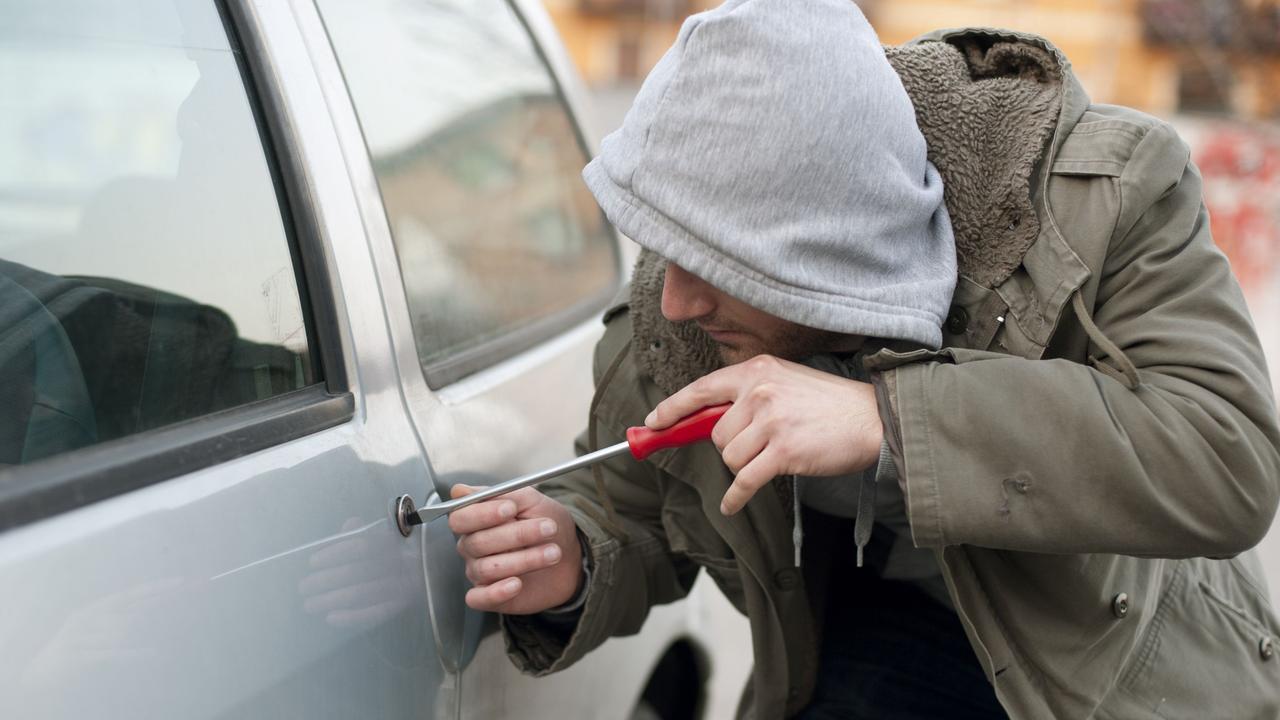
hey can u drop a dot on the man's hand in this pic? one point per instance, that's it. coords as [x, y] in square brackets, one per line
[521, 549]
[786, 418]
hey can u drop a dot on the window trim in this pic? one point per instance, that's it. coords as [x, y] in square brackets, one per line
[98, 472]
[49, 487]
[298, 211]
[469, 361]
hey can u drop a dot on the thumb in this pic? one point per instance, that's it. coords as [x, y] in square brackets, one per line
[461, 490]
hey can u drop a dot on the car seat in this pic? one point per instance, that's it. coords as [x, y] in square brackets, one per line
[45, 407]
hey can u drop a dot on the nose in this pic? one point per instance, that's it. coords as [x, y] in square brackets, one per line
[686, 296]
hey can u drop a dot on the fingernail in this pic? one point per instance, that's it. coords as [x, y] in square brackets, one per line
[651, 418]
[724, 509]
[552, 553]
[547, 528]
[507, 509]
[511, 585]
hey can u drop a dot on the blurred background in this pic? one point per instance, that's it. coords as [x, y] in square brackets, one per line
[1210, 67]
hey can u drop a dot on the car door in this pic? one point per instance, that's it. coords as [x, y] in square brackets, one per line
[201, 421]
[494, 260]
[495, 265]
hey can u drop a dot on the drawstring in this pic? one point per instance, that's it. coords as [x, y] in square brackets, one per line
[863, 520]
[797, 524]
[1128, 373]
[612, 521]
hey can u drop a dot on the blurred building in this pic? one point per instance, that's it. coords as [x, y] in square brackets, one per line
[1163, 56]
[616, 42]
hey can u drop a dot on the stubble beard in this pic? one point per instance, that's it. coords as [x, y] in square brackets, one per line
[795, 343]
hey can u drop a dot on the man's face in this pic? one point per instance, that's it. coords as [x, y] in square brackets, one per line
[740, 330]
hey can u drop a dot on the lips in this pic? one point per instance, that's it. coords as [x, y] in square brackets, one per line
[719, 334]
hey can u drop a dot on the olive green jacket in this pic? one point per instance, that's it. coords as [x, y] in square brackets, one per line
[1098, 426]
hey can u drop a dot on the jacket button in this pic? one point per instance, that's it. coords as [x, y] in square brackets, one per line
[1266, 647]
[1120, 605]
[786, 579]
[957, 320]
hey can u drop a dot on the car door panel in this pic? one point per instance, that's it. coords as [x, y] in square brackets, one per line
[210, 595]
[273, 584]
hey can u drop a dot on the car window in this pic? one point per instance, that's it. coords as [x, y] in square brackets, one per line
[479, 163]
[146, 276]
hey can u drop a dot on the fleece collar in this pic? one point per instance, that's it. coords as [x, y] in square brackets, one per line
[990, 103]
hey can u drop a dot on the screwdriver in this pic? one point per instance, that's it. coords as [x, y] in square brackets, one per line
[641, 442]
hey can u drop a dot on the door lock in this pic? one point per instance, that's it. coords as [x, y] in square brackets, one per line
[405, 511]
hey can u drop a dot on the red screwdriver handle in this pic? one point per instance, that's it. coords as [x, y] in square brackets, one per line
[645, 442]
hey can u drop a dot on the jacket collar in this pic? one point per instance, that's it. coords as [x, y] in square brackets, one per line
[1051, 271]
[995, 107]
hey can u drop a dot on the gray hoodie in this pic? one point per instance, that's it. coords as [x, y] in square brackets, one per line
[774, 153]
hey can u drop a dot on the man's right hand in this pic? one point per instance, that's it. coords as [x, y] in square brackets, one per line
[521, 549]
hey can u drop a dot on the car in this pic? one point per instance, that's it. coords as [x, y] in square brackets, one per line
[272, 272]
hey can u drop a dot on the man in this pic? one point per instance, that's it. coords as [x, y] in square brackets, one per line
[1048, 488]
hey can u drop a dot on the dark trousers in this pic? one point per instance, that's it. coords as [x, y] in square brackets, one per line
[891, 652]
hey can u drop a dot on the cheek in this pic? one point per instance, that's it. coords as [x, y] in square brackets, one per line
[776, 340]
[733, 354]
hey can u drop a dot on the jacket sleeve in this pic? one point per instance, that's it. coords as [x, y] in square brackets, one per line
[632, 566]
[1054, 456]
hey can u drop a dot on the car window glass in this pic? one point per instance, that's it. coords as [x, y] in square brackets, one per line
[145, 272]
[479, 164]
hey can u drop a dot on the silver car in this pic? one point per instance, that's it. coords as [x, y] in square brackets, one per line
[267, 266]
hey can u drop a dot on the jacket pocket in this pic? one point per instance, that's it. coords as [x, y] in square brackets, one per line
[691, 535]
[1202, 655]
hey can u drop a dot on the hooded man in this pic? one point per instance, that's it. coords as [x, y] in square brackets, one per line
[994, 449]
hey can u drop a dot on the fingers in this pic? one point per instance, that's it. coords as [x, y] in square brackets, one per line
[461, 490]
[343, 551]
[363, 617]
[327, 579]
[481, 516]
[735, 420]
[524, 498]
[491, 598]
[508, 537]
[714, 388]
[489, 513]
[744, 448]
[490, 569]
[352, 596]
[757, 473]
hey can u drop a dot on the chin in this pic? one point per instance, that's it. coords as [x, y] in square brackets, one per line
[732, 355]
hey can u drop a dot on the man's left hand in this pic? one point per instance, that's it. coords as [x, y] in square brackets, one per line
[786, 419]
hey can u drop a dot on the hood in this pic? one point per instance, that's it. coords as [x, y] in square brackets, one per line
[987, 103]
[774, 153]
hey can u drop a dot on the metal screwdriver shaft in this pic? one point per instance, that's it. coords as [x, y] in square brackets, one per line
[641, 442]
[431, 512]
